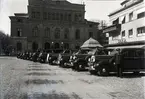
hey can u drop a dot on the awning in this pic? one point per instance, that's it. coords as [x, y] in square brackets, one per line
[121, 47]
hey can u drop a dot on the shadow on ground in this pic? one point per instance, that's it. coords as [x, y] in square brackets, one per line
[51, 95]
[43, 81]
[40, 74]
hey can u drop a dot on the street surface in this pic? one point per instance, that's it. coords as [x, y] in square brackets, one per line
[22, 79]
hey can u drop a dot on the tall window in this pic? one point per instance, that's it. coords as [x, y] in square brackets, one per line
[123, 21]
[130, 33]
[35, 31]
[19, 32]
[90, 34]
[69, 17]
[123, 33]
[131, 16]
[57, 33]
[19, 46]
[77, 34]
[141, 31]
[48, 16]
[66, 33]
[47, 32]
[141, 15]
[44, 15]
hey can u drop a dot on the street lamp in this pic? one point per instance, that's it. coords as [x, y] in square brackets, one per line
[52, 44]
[62, 45]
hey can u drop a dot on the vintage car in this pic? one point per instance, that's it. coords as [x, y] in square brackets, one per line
[79, 60]
[53, 56]
[119, 61]
[35, 56]
[43, 56]
[63, 58]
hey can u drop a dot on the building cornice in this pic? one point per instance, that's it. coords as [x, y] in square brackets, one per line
[124, 8]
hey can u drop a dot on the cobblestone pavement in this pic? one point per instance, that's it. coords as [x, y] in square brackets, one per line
[21, 79]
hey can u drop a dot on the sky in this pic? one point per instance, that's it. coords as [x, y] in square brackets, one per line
[95, 10]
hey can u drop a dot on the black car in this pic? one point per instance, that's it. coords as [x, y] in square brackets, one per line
[52, 59]
[63, 58]
[79, 60]
[35, 56]
[119, 61]
[43, 56]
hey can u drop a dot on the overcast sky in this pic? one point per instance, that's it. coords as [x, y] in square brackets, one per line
[95, 9]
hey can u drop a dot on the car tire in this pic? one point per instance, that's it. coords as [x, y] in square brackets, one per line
[92, 72]
[103, 72]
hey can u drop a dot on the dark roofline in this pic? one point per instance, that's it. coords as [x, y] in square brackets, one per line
[125, 8]
[125, 2]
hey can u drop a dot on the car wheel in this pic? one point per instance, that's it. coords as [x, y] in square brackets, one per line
[103, 72]
[92, 72]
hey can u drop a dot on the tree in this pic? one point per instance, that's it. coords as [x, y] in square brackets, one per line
[5, 42]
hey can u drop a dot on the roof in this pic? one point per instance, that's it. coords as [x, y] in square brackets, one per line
[91, 43]
[125, 1]
[126, 7]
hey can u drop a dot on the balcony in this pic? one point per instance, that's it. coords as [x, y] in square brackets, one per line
[112, 28]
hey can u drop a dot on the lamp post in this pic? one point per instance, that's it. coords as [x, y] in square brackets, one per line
[62, 45]
[52, 44]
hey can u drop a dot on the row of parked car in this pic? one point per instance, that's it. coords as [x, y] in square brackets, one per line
[100, 61]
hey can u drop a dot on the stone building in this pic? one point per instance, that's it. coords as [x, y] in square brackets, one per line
[127, 24]
[51, 24]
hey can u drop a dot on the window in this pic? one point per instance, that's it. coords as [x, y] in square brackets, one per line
[35, 31]
[69, 17]
[90, 34]
[141, 15]
[37, 14]
[44, 15]
[19, 20]
[123, 21]
[66, 34]
[48, 16]
[19, 46]
[61, 16]
[130, 33]
[116, 21]
[131, 16]
[47, 32]
[90, 25]
[19, 32]
[141, 31]
[57, 33]
[123, 33]
[33, 14]
[77, 34]
[76, 17]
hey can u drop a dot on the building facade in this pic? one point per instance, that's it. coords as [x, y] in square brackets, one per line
[51, 24]
[127, 24]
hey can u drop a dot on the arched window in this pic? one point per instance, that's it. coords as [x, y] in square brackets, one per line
[77, 34]
[19, 46]
[66, 46]
[34, 46]
[35, 31]
[56, 45]
[47, 45]
[57, 33]
[47, 32]
[66, 33]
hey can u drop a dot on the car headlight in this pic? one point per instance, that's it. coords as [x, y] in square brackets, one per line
[74, 57]
[89, 59]
[93, 59]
